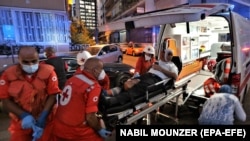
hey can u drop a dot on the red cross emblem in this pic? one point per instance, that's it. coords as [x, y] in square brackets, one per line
[65, 95]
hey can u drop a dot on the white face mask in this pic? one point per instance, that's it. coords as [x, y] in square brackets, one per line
[101, 75]
[30, 68]
[44, 55]
[147, 58]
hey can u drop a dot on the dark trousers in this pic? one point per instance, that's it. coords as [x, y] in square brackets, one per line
[136, 91]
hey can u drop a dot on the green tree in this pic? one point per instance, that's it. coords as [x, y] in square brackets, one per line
[80, 34]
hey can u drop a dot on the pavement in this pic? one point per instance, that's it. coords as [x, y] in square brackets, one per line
[186, 115]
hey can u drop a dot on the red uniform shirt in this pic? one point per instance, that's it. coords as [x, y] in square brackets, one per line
[80, 96]
[142, 66]
[52, 83]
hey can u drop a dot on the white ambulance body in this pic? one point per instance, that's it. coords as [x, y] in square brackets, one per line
[192, 26]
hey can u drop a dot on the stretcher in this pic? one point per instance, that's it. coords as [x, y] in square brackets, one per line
[132, 111]
[129, 113]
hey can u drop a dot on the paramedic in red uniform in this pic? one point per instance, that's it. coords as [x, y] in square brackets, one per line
[76, 118]
[221, 76]
[28, 91]
[145, 62]
[81, 57]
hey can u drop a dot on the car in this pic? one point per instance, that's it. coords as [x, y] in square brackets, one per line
[108, 53]
[123, 47]
[118, 72]
[135, 50]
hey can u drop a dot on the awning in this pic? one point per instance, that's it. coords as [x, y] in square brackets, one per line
[185, 13]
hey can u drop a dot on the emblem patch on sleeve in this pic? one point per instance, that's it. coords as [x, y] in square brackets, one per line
[66, 95]
[54, 78]
[2, 82]
[95, 98]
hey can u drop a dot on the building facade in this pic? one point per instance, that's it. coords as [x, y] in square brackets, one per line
[38, 23]
[86, 11]
[111, 10]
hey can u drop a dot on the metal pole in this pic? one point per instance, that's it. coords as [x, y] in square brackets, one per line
[12, 53]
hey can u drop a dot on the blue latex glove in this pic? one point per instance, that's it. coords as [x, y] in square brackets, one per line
[27, 120]
[42, 119]
[136, 75]
[37, 132]
[104, 133]
[104, 92]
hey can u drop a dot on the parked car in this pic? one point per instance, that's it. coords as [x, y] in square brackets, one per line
[135, 50]
[5, 50]
[123, 47]
[117, 72]
[108, 53]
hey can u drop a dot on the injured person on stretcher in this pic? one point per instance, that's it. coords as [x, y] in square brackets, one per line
[165, 69]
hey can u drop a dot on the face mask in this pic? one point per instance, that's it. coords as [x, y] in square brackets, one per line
[147, 58]
[44, 55]
[30, 68]
[101, 75]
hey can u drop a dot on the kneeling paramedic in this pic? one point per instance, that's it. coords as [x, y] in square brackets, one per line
[76, 118]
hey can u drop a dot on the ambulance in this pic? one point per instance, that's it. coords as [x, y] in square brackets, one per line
[196, 32]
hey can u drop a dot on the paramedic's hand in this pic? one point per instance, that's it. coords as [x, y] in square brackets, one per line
[104, 92]
[157, 67]
[37, 132]
[27, 120]
[104, 133]
[42, 119]
[136, 75]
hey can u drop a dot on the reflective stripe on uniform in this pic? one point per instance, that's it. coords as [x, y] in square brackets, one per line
[84, 79]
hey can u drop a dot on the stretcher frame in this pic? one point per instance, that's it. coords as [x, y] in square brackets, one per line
[131, 115]
[192, 99]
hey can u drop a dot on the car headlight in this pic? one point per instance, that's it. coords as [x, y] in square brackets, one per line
[132, 71]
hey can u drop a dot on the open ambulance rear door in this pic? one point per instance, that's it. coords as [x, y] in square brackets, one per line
[186, 13]
[241, 56]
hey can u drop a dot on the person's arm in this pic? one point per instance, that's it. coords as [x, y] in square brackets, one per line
[165, 71]
[27, 120]
[51, 100]
[138, 65]
[12, 107]
[93, 121]
[91, 109]
[8, 103]
[239, 111]
[52, 90]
